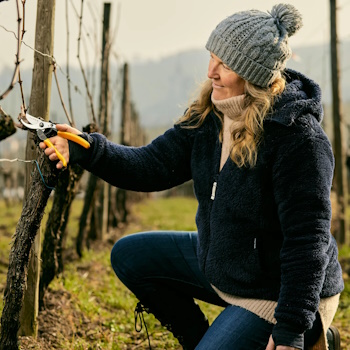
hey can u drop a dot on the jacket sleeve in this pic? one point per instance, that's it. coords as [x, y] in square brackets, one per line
[162, 164]
[302, 178]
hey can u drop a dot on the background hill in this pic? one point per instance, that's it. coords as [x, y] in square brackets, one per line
[162, 89]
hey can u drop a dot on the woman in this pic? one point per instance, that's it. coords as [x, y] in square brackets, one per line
[262, 170]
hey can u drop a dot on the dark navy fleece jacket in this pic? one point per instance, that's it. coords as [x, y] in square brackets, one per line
[266, 234]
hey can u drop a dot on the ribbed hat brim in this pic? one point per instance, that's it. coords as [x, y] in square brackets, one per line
[240, 63]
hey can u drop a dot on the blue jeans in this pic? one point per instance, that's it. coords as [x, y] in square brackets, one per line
[167, 261]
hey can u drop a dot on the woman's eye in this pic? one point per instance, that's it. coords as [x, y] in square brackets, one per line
[226, 67]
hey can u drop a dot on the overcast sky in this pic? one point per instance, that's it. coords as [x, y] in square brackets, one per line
[150, 29]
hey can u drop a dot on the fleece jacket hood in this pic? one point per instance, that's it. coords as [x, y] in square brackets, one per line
[301, 97]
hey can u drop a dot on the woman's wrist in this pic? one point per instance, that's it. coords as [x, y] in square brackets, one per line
[76, 152]
[284, 334]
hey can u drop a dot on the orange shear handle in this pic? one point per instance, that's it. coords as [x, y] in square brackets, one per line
[74, 138]
[48, 143]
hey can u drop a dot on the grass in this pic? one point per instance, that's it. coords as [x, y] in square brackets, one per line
[87, 307]
[342, 317]
[167, 214]
[95, 311]
[8, 220]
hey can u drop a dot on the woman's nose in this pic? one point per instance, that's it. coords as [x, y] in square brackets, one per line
[213, 70]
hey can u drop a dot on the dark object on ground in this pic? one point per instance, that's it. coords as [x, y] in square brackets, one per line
[333, 338]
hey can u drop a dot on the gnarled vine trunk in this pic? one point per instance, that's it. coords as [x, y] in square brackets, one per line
[26, 230]
[51, 255]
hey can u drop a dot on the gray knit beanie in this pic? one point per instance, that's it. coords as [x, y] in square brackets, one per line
[254, 44]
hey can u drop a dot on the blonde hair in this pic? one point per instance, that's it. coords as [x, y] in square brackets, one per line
[248, 130]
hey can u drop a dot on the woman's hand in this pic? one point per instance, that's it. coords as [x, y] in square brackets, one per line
[271, 346]
[60, 143]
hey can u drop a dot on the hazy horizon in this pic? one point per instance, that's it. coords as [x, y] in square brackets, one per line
[156, 28]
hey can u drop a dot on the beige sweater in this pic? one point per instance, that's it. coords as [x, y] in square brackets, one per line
[232, 109]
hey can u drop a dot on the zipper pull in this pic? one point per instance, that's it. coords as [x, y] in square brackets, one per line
[254, 243]
[213, 190]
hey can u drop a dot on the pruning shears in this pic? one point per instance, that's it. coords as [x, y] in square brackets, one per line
[45, 130]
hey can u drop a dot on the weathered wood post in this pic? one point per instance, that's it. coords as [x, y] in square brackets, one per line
[39, 106]
[105, 113]
[338, 129]
[125, 130]
[125, 139]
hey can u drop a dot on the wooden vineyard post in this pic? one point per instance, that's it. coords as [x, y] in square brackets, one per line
[39, 107]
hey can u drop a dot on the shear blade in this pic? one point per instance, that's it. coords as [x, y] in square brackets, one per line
[35, 121]
[27, 125]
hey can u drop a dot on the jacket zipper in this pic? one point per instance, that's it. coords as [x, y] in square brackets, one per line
[213, 190]
[214, 187]
[212, 197]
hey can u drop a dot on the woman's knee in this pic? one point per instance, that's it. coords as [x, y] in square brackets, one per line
[116, 252]
[121, 256]
[129, 254]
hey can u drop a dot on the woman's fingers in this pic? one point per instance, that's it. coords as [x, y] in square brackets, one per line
[56, 139]
[67, 128]
[271, 344]
[61, 145]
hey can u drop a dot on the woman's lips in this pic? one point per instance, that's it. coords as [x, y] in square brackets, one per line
[216, 86]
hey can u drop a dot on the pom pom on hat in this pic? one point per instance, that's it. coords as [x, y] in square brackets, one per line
[288, 17]
[254, 44]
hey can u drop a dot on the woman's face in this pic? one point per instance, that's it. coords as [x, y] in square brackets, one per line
[226, 83]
